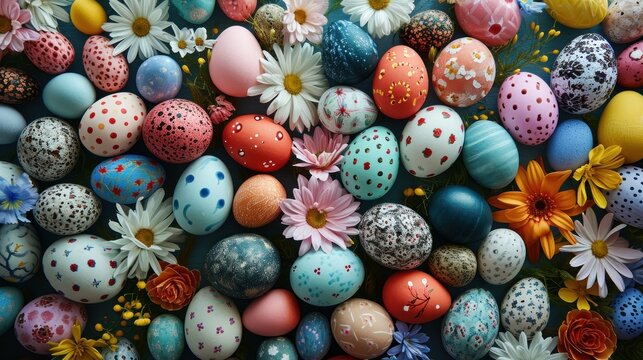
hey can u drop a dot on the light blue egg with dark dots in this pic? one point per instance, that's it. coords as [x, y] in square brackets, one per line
[277, 349]
[165, 337]
[349, 54]
[626, 201]
[313, 337]
[628, 314]
[11, 302]
[159, 78]
[125, 350]
[569, 146]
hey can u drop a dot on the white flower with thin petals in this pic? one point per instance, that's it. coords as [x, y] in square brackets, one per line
[46, 13]
[201, 40]
[381, 17]
[183, 42]
[509, 348]
[303, 20]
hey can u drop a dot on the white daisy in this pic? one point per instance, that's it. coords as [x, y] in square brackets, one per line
[293, 83]
[303, 20]
[183, 42]
[146, 236]
[201, 41]
[139, 27]
[46, 13]
[509, 348]
[382, 17]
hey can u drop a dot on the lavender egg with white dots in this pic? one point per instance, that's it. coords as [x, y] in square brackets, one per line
[626, 201]
[501, 256]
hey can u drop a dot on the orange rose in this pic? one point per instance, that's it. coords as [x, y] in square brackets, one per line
[174, 287]
[585, 335]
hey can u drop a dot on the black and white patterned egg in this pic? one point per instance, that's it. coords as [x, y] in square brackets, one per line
[525, 308]
[584, 74]
[67, 209]
[626, 202]
[430, 28]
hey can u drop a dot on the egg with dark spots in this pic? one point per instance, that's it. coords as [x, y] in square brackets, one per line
[626, 201]
[628, 314]
[16, 86]
[67, 209]
[427, 29]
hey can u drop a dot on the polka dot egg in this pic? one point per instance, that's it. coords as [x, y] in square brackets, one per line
[626, 202]
[501, 256]
[628, 314]
[106, 71]
[52, 53]
[66, 209]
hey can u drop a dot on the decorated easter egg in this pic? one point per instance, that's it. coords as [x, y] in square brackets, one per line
[275, 313]
[125, 350]
[580, 82]
[427, 29]
[463, 72]
[165, 338]
[106, 71]
[51, 53]
[395, 236]
[327, 279]
[48, 148]
[203, 196]
[235, 62]
[621, 124]
[126, 178]
[577, 14]
[194, 11]
[66, 209]
[622, 24]
[346, 110]
[276, 349]
[453, 265]
[415, 297]
[494, 23]
[363, 339]
[238, 10]
[177, 131]
[269, 17]
[68, 95]
[159, 78]
[11, 301]
[48, 318]
[16, 86]
[625, 202]
[256, 202]
[401, 83]
[10, 172]
[257, 143]
[630, 66]
[212, 325]
[12, 124]
[459, 214]
[471, 325]
[628, 314]
[501, 256]
[313, 337]
[20, 252]
[569, 146]
[431, 141]
[88, 16]
[371, 162]
[525, 308]
[349, 54]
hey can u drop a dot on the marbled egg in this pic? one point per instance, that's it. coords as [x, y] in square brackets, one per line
[275, 313]
[52, 53]
[256, 202]
[453, 265]
[415, 297]
[427, 29]
[431, 141]
[20, 252]
[87, 16]
[569, 146]
[494, 22]
[276, 349]
[126, 178]
[11, 301]
[628, 314]
[194, 11]
[165, 338]
[16, 86]
[471, 325]
[327, 279]
[159, 78]
[621, 124]
[349, 54]
[577, 14]
[66, 209]
[313, 337]
[501, 256]
[48, 148]
[630, 66]
[346, 110]
[584, 74]
[269, 17]
[106, 71]
[395, 236]
[68, 95]
[177, 131]
[10, 172]
[237, 10]
[371, 163]
[125, 350]
[622, 24]
[525, 308]
[626, 202]
[12, 125]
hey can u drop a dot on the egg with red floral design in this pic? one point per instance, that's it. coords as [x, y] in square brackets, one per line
[494, 22]
[105, 70]
[123, 179]
[415, 297]
[52, 53]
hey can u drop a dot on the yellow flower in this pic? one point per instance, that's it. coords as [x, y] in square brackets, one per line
[77, 348]
[599, 174]
[577, 291]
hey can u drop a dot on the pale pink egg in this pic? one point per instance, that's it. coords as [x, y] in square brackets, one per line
[494, 22]
[275, 313]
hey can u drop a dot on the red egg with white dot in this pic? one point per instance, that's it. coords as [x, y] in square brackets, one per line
[112, 125]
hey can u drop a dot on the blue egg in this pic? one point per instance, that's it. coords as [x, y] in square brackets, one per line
[194, 11]
[165, 337]
[123, 179]
[159, 78]
[569, 146]
[68, 95]
[628, 314]
[11, 302]
[459, 214]
[490, 154]
[276, 349]
[349, 54]
[125, 350]
[11, 125]
[313, 337]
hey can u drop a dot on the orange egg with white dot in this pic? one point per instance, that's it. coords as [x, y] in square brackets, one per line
[112, 125]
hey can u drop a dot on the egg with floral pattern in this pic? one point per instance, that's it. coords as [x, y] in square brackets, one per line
[279, 348]
[427, 29]
[415, 297]
[313, 338]
[525, 308]
[66, 209]
[626, 202]
[52, 53]
[20, 252]
[126, 178]
[630, 66]
[346, 110]
[165, 337]
[16, 86]
[494, 22]
[106, 71]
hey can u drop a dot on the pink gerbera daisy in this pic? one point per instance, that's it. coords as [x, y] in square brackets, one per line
[303, 20]
[321, 214]
[320, 153]
[12, 34]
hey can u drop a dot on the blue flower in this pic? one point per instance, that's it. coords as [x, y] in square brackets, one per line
[16, 199]
[530, 7]
[637, 271]
[411, 343]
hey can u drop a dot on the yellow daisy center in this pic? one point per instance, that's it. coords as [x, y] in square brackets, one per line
[300, 16]
[141, 27]
[5, 25]
[379, 4]
[198, 41]
[182, 44]
[292, 84]
[316, 218]
[599, 249]
[146, 236]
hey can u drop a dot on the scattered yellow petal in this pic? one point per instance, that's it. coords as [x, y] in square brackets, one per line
[186, 69]
[541, 35]
[536, 52]
[419, 191]
[551, 32]
[516, 71]
[475, 117]
[201, 61]
[555, 52]
[536, 28]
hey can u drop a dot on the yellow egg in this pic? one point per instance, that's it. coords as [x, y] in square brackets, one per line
[578, 14]
[88, 16]
[622, 124]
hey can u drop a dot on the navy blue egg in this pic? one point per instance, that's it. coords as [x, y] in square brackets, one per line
[459, 214]
[313, 338]
[628, 314]
[569, 146]
[349, 54]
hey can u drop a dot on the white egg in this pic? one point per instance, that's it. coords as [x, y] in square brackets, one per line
[346, 110]
[19, 252]
[525, 308]
[501, 256]
[67, 209]
[10, 172]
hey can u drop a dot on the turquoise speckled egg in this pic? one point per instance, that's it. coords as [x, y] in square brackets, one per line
[277, 349]
[11, 301]
[313, 337]
[371, 163]
[490, 154]
[194, 11]
[349, 54]
[125, 351]
[68, 95]
[326, 279]
[165, 337]
[628, 314]
[203, 196]
[123, 179]
[471, 325]
[20, 252]
[569, 146]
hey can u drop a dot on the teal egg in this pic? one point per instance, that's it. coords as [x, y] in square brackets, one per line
[313, 337]
[194, 11]
[11, 125]
[123, 179]
[68, 95]
[490, 154]
[125, 351]
[277, 349]
[569, 146]
[628, 314]
[11, 301]
[349, 54]
[459, 214]
[165, 337]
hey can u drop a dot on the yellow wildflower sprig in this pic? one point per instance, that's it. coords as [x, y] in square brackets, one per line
[599, 173]
[77, 348]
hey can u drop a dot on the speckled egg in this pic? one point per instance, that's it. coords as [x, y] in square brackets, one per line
[10, 172]
[194, 11]
[415, 297]
[346, 110]
[630, 66]
[313, 338]
[125, 350]
[66, 209]
[427, 29]
[463, 72]
[569, 146]
[106, 71]
[275, 313]
[237, 10]
[12, 125]
[276, 349]
[11, 301]
[165, 338]
[48, 148]
[68, 95]
[177, 131]
[584, 74]
[577, 14]
[622, 24]
[126, 178]
[16, 86]
[371, 163]
[20, 252]
[626, 202]
[525, 308]
[395, 236]
[159, 78]
[52, 53]
[620, 124]
[628, 314]
[453, 265]
[256, 202]
[494, 22]
[349, 54]
[268, 17]
[501, 256]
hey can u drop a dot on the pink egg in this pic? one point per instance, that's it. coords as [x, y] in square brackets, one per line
[106, 71]
[275, 313]
[630, 66]
[527, 108]
[52, 53]
[237, 10]
[494, 22]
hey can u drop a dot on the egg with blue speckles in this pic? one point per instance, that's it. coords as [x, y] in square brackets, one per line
[626, 201]
[525, 308]
[349, 54]
[123, 179]
[313, 337]
[628, 314]
[159, 78]
[243, 266]
[20, 252]
[459, 214]
[11, 301]
[569, 146]
[203, 196]
[125, 350]
[165, 338]
[194, 11]
[277, 349]
[490, 154]
[12, 124]
[68, 95]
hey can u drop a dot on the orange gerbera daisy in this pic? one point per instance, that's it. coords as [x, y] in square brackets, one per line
[536, 207]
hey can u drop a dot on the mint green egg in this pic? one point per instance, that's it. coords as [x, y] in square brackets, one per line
[194, 11]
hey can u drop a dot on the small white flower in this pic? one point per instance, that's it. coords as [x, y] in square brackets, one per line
[453, 98]
[478, 56]
[490, 73]
[454, 48]
[183, 42]
[201, 41]
[451, 69]
[272, 350]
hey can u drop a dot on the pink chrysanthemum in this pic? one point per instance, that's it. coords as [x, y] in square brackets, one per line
[321, 214]
[12, 33]
[320, 153]
[303, 20]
